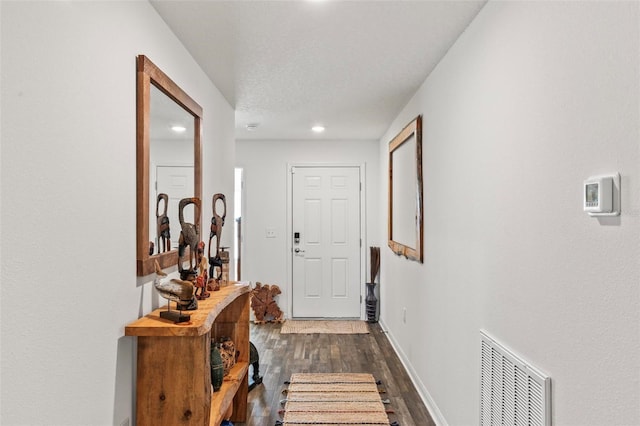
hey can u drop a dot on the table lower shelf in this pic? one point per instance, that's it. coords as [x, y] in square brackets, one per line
[234, 384]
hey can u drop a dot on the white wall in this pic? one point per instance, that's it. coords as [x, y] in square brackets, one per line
[265, 178]
[68, 202]
[532, 99]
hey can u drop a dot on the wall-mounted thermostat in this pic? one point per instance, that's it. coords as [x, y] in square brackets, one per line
[601, 195]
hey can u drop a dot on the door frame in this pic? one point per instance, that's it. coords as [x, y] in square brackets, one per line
[289, 230]
[239, 243]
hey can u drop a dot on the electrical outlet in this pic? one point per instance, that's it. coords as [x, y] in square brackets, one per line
[404, 315]
[271, 232]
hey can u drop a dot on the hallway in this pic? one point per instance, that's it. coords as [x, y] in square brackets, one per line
[284, 354]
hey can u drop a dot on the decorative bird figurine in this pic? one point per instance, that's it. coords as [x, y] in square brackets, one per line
[175, 290]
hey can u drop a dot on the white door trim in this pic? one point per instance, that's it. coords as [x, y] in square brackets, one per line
[289, 231]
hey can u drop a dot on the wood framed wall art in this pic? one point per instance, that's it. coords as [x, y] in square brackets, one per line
[405, 214]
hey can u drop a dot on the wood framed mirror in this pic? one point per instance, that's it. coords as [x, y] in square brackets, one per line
[405, 192]
[168, 134]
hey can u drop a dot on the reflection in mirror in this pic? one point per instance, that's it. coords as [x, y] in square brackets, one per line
[163, 230]
[404, 199]
[405, 192]
[168, 162]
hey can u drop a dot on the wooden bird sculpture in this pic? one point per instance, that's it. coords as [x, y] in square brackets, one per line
[179, 291]
[189, 237]
[217, 222]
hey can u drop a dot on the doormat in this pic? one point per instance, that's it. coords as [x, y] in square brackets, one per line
[324, 327]
[333, 399]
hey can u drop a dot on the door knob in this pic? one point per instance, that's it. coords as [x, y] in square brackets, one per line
[299, 251]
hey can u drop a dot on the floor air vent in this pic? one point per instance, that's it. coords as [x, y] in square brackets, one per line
[512, 392]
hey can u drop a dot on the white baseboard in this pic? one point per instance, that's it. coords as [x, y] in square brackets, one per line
[436, 415]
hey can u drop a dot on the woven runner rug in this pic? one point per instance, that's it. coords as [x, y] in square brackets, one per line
[333, 399]
[324, 327]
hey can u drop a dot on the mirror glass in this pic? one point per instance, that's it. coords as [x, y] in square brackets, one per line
[404, 199]
[168, 164]
[405, 192]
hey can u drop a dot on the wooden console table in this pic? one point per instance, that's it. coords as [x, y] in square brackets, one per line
[174, 373]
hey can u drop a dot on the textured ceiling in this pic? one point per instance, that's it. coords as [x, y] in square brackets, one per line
[287, 65]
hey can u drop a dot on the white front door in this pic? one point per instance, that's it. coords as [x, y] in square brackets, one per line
[177, 183]
[326, 246]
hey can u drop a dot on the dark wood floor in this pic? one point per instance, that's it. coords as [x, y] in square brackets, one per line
[284, 354]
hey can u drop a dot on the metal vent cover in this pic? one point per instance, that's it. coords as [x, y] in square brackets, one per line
[512, 392]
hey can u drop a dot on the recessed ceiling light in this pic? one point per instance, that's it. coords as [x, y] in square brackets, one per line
[318, 129]
[178, 129]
